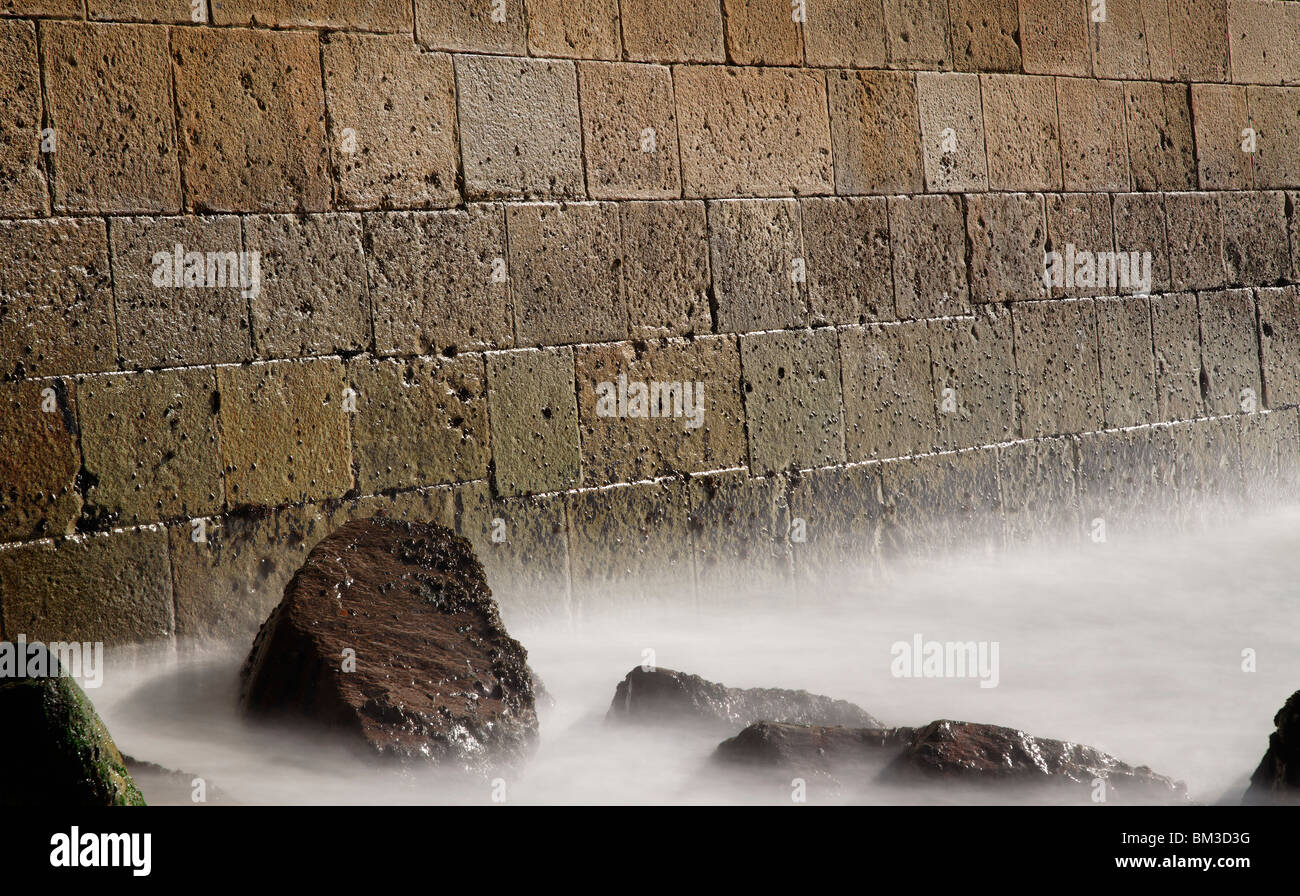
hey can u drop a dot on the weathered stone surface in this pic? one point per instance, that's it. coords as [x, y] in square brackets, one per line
[419, 422]
[1207, 473]
[150, 445]
[927, 236]
[520, 130]
[469, 27]
[664, 696]
[739, 530]
[534, 420]
[1279, 337]
[312, 296]
[392, 122]
[22, 177]
[973, 358]
[251, 112]
[58, 8]
[1258, 43]
[1006, 235]
[1256, 250]
[174, 323]
[671, 432]
[1275, 117]
[752, 131]
[1293, 230]
[65, 757]
[665, 31]
[875, 132]
[113, 116]
[1079, 223]
[1120, 43]
[666, 268]
[56, 590]
[837, 512]
[952, 132]
[1159, 128]
[1128, 387]
[178, 12]
[985, 35]
[39, 496]
[793, 406]
[1139, 220]
[1198, 32]
[1040, 503]
[916, 34]
[830, 752]
[1176, 333]
[439, 280]
[1054, 37]
[586, 29]
[629, 131]
[889, 406]
[1220, 114]
[754, 247]
[1270, 466]
[1119, 488]
[1229, 351]
[437, 677]
[845, 33]
[761, 32]
[1057, 367]
[846, 255]
[1024, 143]
[1276, 781]
[566, 272]
[1094, 153]
[56, 300]
[284, 433]
[1195, 240]
[377, 15]
[940, 504]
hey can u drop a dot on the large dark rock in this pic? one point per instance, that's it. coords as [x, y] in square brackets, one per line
[813, 749]
[662, 695]
[437, 676]
[1277, 779]
[55, 750]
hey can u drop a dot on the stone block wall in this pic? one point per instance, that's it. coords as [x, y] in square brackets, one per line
[429, 231]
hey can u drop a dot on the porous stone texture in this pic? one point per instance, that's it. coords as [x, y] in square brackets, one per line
[39, 496]
[761, 32]
[1196, 29]
[1124, 343]
[1080, 231]
[985, 35]
[1230, 375]
[1220, 115]
[1256, 53]
[666, 274]
[1054, 37]
[23, 190]
[664, 31]
[974, 377]
[1195, 240]
[629, 131]
[378, 15]
[1094, 153]
[1275, 118]
[889, 408]
[1279, 338]
[1057, 367]
[1175, 330]
[1021, 132]
[952, 132]
[755, 250]
[845, 33]
[1159, 129]
[1006, 236]
[740, 531]
[1139, 223]
[587, 29]
[916, 34]
[474, 28]
[927, 237]
[534, 419]
[875, 132]
[1256, 250]
[846, 260]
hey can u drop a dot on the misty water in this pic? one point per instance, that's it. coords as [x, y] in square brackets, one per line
[1135, 648]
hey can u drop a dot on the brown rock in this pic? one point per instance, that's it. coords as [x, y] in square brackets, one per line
[1277, 779]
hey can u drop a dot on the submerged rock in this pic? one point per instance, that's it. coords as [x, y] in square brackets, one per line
[663, 695]
[389, 632]
[1277, 779]
[813, 748]
[56, 750]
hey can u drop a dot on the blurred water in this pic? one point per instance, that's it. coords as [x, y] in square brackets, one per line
[1134, 648]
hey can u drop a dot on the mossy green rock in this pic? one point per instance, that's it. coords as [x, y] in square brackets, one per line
[55, 750]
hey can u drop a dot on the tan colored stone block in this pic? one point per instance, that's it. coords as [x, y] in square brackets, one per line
[1262, 41]
[1279, 339]
[889, 408]
[1256, 250]
[752, 131]
[174, 323]
[1021, 132]
[374, 15]
[952, 132]
[845, 33]
[875, 132]
[985, 35]
[56, 8]
[666, 268]
[761, 32]
[1079, 223]
[739, 530]
[939, 504]
[178, 12]
[629, 131]
[1198, 31]
[1195, 240]
[1040, 502]
[754, 250]
[1159, 126]
[1293, 230]
[839, 512]
[974, 376]
[1230, 375]
[520, 130]
[916, 34]
[251, 112]
[793, 405]
[472, 27]
[565, 271]
[534, 420]
[284, 434]
[38, 484]
[439, 280]
[22, 176]
[1128, 385]
[1275, 116]
[1176, 331]
[927, 235]
[56, 303]
[150, 445]
[1006, 236]
[846, 254]
[1054, 37]
[419, 422]
[55, 591]
[108, 87]
[392, 122]
[1139, 220]
[1057, 367]
[667, 31]
[625, 439]
[582, 29]
[1132, 41]
[1220, 114]
[1094, 154]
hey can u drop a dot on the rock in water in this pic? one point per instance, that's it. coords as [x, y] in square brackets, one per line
[436, 674]
[813, 748]
[662, 695]
[1277, 780]
[56, 751]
